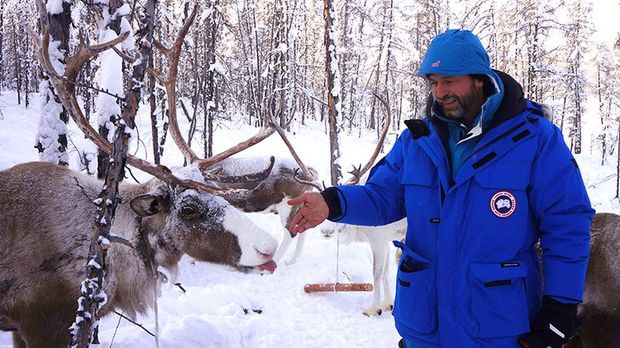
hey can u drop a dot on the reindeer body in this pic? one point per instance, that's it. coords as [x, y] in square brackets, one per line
[271, 194]
[46, 222]
[600, 310]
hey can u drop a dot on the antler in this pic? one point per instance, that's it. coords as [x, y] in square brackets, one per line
[65, 89]
[169, 81]
[357, 172]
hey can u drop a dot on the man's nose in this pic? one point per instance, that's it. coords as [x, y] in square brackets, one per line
[439, 91]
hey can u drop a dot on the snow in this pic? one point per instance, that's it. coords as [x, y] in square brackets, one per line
[50, 126]
[219, 306]
[54, 6]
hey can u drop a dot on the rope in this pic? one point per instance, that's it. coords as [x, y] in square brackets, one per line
[120, 317]
[157, 312]
[337, 257]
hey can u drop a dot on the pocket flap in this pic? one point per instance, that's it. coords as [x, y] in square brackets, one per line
[408, 253]
[423, 174]
[497, 271]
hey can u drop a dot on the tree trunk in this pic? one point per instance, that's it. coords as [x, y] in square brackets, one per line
[105, 120]
[54, 149]
[211, 102]
[331, 67]
[152, 97]
[618, 163]
[17, 70]
[1, 45]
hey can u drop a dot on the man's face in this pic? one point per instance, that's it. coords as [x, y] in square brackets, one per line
[458, 96]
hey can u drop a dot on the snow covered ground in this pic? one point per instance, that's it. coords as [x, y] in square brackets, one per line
[212, 313]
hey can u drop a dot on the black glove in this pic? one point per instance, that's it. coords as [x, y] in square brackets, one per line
[554, 325]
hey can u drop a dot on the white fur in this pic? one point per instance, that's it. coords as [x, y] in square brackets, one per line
[380, 238]
[283, 210]
[254, 242]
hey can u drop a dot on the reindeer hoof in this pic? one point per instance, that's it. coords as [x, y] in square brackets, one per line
[371, 312]
[290, 262]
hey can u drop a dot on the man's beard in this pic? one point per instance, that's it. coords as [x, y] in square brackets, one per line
[457, 106]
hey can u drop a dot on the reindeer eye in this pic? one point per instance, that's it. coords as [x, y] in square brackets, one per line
[190, 211]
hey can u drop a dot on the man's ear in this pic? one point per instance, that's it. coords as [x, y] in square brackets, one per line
[148, 204]
[478, 83]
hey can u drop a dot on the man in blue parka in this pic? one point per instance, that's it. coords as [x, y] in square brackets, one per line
[481, 180]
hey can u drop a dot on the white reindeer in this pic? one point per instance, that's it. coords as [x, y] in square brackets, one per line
[380, 238]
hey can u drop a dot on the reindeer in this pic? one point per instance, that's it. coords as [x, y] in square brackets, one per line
[600, 310]
[380, 238]
[46, 219]
[270, 196]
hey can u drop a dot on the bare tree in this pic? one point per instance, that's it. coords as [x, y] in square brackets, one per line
[577, 33]
[52, 133]
[333, 89]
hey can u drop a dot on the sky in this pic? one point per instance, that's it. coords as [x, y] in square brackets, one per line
[606, 16]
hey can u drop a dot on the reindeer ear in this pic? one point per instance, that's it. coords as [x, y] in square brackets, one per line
[147, 205]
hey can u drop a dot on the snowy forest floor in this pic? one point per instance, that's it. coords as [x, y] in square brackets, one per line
[211, 312]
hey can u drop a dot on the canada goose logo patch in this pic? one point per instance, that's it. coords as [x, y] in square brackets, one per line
[503, 204]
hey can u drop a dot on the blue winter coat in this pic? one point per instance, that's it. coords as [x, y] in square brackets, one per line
[469, 275]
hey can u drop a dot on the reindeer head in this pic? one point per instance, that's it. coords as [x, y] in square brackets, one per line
[344, 233]
[187, 214]
[204, 226]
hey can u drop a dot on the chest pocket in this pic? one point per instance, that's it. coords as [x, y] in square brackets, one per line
[501, 207]
[420, 174]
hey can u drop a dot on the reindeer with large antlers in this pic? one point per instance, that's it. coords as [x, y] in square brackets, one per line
[227, 172]
[47, 211]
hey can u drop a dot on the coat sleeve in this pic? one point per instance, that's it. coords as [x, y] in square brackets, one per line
[563, 214]
[381, 200]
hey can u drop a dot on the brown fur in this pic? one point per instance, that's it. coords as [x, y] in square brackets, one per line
[46, 220]
[270, 195]
[600, 311]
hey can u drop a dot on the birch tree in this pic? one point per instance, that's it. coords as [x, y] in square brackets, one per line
[51, 138]
[110, 74]
[333, 89]
[607, 91]
[577, 33]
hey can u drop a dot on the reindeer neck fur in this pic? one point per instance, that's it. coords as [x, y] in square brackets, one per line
[135, 270]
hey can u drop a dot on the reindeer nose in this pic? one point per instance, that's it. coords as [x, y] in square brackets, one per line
[263, 253]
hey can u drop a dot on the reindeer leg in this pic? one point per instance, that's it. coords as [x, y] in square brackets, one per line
[286, 242]
[17, 341]
[379, 258]
[46, 324]
[44, 331]
[300, 244]
[286, 214]
[388, 300]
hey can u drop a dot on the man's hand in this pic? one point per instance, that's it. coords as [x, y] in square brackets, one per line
[553, 326]
[314, 210]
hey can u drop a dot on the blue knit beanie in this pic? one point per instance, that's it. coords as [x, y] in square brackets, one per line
[455, 52]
